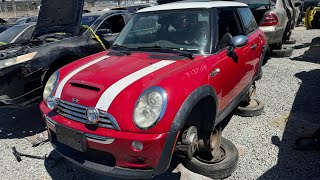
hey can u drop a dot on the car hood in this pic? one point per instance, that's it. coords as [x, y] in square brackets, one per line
[59, 16]
[104, 78]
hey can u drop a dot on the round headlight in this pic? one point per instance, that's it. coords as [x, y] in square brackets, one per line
[150, 107]
[50, 85]
[51, 102]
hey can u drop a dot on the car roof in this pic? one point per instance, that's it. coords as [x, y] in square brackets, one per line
[192, 5]
[100, 13]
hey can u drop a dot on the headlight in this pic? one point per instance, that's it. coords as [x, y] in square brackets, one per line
[150, 107]
[19, 59]
[50, 85]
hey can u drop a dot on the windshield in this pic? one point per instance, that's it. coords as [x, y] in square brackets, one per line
[88, 20]
[174, 29]
[8, 35]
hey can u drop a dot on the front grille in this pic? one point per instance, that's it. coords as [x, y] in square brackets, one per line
[77, 112]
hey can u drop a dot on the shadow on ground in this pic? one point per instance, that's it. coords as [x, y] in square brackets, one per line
[59, 168]
[304, 116]
[20, 122]
[312, 54]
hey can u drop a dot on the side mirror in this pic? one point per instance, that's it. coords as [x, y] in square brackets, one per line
[297, 4]
[102, 32]
[236, 42]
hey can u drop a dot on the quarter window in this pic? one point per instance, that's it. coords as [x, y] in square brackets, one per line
[249, 22]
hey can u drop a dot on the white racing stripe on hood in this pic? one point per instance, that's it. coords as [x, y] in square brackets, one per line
[70, 75]
[111, 93]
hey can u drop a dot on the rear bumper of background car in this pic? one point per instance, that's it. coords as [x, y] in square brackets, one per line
[274, 34]
[111, 153]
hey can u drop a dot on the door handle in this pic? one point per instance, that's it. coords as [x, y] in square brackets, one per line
[254, 46]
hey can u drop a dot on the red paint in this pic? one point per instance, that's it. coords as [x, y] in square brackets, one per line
[178, 79]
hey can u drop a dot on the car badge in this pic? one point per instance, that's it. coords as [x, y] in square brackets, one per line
[75, 100]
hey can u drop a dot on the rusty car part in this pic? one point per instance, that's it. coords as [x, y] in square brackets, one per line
[189, 143]
[18, 155]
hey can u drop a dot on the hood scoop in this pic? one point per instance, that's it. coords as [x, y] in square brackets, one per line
[84, 86]
[58, 16]
[166, 57]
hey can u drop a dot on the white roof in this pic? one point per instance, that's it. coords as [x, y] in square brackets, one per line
[193, 5]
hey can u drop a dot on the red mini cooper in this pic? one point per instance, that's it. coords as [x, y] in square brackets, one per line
[173, 74]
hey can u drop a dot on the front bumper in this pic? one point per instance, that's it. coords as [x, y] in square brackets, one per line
[115, 148]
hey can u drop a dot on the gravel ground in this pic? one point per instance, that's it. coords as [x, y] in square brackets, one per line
[290, 89]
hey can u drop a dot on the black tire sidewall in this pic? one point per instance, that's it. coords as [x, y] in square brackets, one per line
[218, 170]
[250, 111]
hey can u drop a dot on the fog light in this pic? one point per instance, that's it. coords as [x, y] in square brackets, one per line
[137, 145]
[51, 102]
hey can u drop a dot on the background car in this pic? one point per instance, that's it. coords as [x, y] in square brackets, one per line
[133, 8]
[26, 67]
[4, 25]
[273, 17]
[28, 19]
[309, 3]
[18, 33]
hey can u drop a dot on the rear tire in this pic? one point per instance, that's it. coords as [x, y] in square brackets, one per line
[255, 108]
[218, 170]
[284, 52]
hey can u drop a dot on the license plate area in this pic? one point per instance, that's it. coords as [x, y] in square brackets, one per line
[71, 138]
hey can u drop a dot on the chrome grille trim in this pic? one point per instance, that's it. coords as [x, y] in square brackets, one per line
[77, 113]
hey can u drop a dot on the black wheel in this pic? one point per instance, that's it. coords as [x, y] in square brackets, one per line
[202, 163]
[292, 41]
[254, 108]
[284, 52]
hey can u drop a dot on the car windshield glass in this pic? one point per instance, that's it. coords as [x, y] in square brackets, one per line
[88, 20]
[8, 35]
[174, 29]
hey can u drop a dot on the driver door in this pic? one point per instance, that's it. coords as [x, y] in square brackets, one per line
[232, 71]
[110, 28]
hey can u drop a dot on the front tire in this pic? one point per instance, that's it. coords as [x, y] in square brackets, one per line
[201, 162]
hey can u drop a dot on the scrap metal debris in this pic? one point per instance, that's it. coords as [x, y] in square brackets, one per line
[39, 139]
[18, 155]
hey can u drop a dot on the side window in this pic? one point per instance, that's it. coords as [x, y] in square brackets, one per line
[248, 20]
[146, 23]
[114, 24]
[26, 35]
[229, 26]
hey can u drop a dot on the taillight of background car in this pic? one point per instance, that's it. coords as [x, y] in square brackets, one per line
[270, 19]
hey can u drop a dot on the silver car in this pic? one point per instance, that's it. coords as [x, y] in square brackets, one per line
[273, 17]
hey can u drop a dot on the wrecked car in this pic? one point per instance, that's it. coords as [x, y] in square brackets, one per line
[56, 41]
[17, 33]
[173, 74]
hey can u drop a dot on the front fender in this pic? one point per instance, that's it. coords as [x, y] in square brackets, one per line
[191, 101]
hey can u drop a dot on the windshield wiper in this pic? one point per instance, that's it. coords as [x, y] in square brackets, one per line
[168, 50]
[122, 49]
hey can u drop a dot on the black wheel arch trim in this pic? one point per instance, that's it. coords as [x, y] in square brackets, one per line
[184, 111]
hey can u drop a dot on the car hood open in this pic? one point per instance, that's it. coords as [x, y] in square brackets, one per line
[59, 16]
